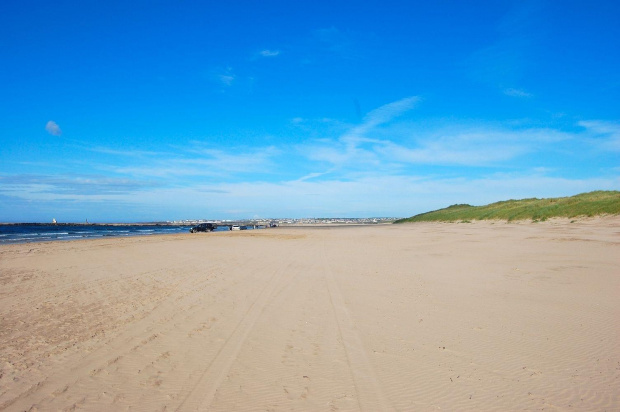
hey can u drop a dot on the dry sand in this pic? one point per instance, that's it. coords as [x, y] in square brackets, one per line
[481, 316]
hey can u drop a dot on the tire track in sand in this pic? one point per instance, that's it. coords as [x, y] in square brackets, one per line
[203, 393]
[122, 343]
[370, 394]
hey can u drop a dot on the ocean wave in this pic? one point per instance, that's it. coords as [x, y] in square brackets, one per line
[27, 234]
[25, 239]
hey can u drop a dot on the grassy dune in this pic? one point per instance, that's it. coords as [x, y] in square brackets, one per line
[586, 204]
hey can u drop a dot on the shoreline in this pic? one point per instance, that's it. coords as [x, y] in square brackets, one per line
[92, 224]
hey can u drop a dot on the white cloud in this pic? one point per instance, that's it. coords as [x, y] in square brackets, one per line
[128, 153]
[223, 75]
[352, 148]
[205, 162]
[605, 134]
[256, 160]
[269, 53]
[517, 93]
[226, 79]
[382, 141]
[68, 185]
[312, 176]
[166, 170]
[478, 146]
[52, 128]
[383, 115]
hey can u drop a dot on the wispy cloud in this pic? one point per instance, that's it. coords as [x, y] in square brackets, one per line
[126, 152]
[269, 53]
[604, 134]
[168, 170]
[312, 176]
[516, 93]
[197, 160]
[354, 148]
[52, 128]
[381, 140]
[224, 77]
[257, 159]
[383, 115]
[471, 146]
[71, 184]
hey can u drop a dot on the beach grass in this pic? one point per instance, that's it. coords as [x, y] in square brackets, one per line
[586, 204]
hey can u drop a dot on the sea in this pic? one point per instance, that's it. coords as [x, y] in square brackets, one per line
[22, 233]
[41, 232]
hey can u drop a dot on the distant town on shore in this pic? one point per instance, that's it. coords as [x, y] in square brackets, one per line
[256, 222]
[293, 222]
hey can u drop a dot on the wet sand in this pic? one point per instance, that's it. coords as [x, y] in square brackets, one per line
[480, 316]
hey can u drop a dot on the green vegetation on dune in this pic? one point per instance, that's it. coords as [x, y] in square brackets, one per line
[586, 204]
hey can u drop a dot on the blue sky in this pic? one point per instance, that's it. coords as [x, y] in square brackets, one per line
[143, 111]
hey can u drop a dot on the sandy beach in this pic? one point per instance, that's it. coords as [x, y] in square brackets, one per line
[426, 316]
